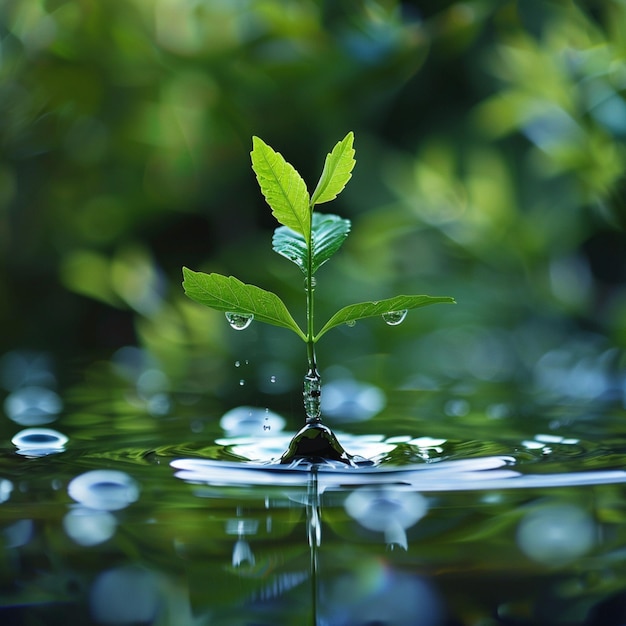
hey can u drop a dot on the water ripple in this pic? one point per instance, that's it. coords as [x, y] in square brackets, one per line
[481, 473]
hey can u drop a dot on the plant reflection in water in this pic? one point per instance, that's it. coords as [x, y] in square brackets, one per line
[388, 505]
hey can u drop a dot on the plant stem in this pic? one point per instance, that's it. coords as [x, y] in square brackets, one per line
[310, 343]
[312, 380]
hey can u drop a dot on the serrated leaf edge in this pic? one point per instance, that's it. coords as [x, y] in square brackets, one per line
[346, 144]
[304, 219]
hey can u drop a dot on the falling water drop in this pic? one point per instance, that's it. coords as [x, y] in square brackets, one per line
[237, 363]
[239, 321]
[272, 379]
[393, 318]
[242, 382]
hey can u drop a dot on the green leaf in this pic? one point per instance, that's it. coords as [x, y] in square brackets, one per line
[228, 294]
[283, 188]
[362, 310]
[337, 171]
[328, 233]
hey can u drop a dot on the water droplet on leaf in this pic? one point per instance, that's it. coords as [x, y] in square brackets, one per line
[393, 318]
[239, 321]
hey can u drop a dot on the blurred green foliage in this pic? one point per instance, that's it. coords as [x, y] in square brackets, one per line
[491, 150]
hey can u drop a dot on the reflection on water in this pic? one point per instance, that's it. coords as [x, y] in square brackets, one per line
[557, 533]
[125, 595]
[473, 512]
[347, 400]
[89, 527]
[377, 593]
[31, 406]
[105, 489]
[389, 509]
[248, 420]
[39, 441]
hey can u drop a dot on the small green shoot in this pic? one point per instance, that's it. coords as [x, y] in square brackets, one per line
[308, 239]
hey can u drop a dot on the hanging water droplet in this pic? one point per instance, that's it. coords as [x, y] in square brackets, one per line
[312, 394]
[351, 323]
[312, 283]
[239, 321]
[242, 382]
[393, 318]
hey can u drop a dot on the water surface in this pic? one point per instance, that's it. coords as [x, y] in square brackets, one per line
[121, 507]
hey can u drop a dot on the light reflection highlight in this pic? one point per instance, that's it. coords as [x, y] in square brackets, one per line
[126, 595]
[89, 527]
[35, 442]
[250, 420]
[347, 400]
[19, 533]
[6, 487]
[388, 509]
[106, 490]
[376, 593]
[33, 406]
[554, 534]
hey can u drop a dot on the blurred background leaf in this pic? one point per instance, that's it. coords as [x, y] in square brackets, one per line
[490, 158]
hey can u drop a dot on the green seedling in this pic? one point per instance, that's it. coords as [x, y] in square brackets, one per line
[308, 239]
